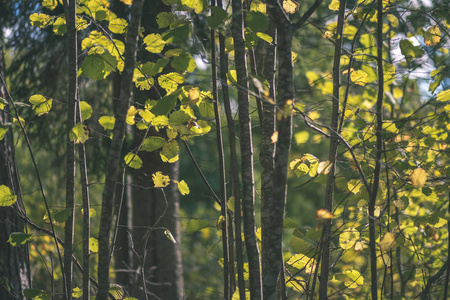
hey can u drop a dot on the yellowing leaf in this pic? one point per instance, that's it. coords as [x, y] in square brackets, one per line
[290, 6]
[196, 225]
[86, 110]
[183, 188]
[6, 196]
[301, 261]
[197, 5]
[118, 25]
[40, 104]
[359, 77]
[154, 42]
[274, 137]
[388, 242]
[50, 4]
[169, 152]
[418, 177]
[170, 81]
[443, 96]
[93, 245]
[348, 238]
[323, 214]
[77, 292]
[79, 133]
[432, 36]
[354, 186]
[39, 20]
[133, 160]
[301, 137]
[334, 5]
[107, 122]
[160, 180]
[127, 2]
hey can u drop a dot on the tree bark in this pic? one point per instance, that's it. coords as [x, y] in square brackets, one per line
[14, 261]
[334, 143]
[246, 145]
[115, 150]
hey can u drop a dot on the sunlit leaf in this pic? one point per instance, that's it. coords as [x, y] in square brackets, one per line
[77, 292]
[334, 5]
[6, 196]
[169, 235]
[50, 4]
[324, 167]
[323, 214]
[443, 96]
[197, 5]
[170, 81]
[432, 36]
[154, 43]
[274, 137]
[133, 160]
[118, 25]
[355, 278]
[183, 188]
[418, 177]
[388, 242]
[93, 245]
[301, 261]
[107, 122]
[291, 6]
[86, 110]
[79, 133]
[169, 152]
[39, 20]
[18, 238]
[116, 291]
[348, 238]
[40, 104]
[59, 26]
[37, 294]
[354, 186]
[127, 2]
[160, 180]
[359, 77]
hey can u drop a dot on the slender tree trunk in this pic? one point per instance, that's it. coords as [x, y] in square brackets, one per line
[234, 186]
[115, 150]
[70, 10]
[248, 183]
[379, 152]
[334, 143]
[14, 261]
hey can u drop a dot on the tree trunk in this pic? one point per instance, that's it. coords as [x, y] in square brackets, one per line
[14, 261]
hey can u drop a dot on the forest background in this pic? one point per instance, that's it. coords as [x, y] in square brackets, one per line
[316, 132]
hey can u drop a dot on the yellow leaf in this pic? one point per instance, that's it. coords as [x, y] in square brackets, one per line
[160, 180]
[127, 2]
[334, 5]
[324, 167]
[388, 242]
[183, 188]
[323, 214]
[418, 177]
[290, 6]
[274, 137]
[359, 77]
[432, 36]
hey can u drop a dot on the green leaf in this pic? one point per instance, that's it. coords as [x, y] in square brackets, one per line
[289, 223]
[183, 63]
[257, 21]
[300, 245]
[6, 196]
[77, 292]
[86, 110]
[107, 122]
[443, 96]
[388, 73]
[62, 215]
[196, 225]
[170, 151]
[197, 5]
[98, 66]
[40, 104]
[160, 180]
[93, 245]
[154, 42]
[165, 105]
[217, 17]
[178, 118]
[354, 279]
[170, 81]
[437, 81]
[18, 238]
[152, 143]
[118, 25]
[133, 160]
[59, 26]
[348, 238]
[178, 35]
[36, 294]
[164, 19]
[79, 133]
[409, 51]
[354, 186]
[206, 107]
